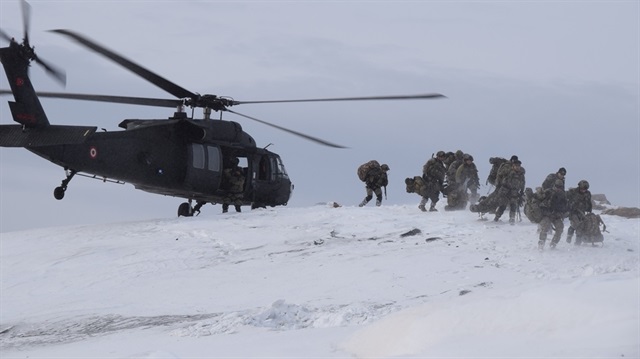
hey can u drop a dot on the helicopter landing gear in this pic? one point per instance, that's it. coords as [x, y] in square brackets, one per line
[58, 192]
[186, 210]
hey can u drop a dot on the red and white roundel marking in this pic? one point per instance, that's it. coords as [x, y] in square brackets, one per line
[93, 152]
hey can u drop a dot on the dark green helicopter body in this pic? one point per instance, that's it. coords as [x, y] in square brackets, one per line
[178, 156]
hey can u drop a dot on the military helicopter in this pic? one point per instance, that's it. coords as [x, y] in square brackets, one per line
[179, 156]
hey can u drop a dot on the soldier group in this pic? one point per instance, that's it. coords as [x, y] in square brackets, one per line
[456, 177]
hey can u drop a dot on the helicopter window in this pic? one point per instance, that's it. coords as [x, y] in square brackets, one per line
[198, 155]
[214, 158]
[282, 172]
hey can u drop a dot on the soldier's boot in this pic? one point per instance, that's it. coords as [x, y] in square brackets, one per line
[512, 221]
[238, 208]
[225, 208]
[496, 218]
[432, 208]
[363, 203]
[423, 202]
[378, 202]
[540, 245]
[570, 234]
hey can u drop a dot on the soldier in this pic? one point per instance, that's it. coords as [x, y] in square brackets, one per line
[579, 204]
[552, 177]
[510, 188]
[449, 158]
[504, 169]
[467, 176]
[553, 202]
[455, 198]
[453, 167]
[433, 174]
[375, 178]
[233, 183]
[419, 186]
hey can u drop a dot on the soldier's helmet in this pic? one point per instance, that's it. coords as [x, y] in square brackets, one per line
[459, 154]
[441, 154]
[583, 185]
[562, 171]
[384, 167]
[467, 157]
[513, 158]
[559, 183]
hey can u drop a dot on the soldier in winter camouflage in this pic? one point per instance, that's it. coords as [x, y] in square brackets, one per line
[549, 182]
[510, 188]
[433, 174]
[553, 202]
[375, 179]
[579, 205]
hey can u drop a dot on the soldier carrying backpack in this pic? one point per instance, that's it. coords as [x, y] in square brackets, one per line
[375, 177]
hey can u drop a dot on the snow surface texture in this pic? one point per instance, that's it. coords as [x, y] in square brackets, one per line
[317, 282]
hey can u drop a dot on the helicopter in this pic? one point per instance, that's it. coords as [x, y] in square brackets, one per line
[179, 156]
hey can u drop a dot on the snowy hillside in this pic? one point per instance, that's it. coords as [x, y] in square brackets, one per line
[318, 282]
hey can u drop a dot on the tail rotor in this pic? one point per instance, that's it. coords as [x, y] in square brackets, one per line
[27, 51]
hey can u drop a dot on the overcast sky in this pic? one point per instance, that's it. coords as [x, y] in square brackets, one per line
[557, 83]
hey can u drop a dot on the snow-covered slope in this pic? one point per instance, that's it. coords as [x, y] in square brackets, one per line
[318, 282]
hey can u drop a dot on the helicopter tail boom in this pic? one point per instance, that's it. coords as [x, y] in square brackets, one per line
[51, 135]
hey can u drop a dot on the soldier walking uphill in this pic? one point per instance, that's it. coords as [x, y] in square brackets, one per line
[433, 173]
[579, 205]
[375, 177]
[510, 188]
[549, 182]
[553, 203]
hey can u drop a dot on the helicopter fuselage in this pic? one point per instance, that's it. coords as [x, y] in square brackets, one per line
[180, 158]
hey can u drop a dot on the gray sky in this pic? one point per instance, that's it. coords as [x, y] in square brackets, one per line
[557, 83]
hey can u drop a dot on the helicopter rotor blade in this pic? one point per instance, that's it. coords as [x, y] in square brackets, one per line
[57, 74]
[5, 36]
[26, 20]
[375, 98]
[155, 79]
[307, 137]
[142, 101]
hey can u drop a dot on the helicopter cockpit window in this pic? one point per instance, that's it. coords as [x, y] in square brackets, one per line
[281, 172]
[198, 156]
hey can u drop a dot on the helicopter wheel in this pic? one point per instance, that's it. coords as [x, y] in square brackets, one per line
[184, 210]
[58, 193]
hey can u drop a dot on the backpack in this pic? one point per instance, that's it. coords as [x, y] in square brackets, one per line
[532, 207]
[416, 185]
[589, 229]
[493, 174]
[365, 168]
